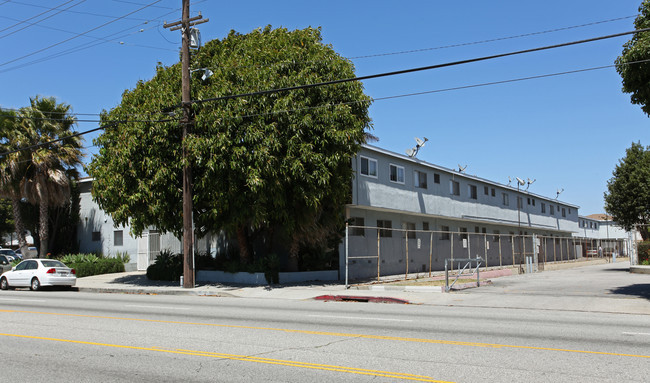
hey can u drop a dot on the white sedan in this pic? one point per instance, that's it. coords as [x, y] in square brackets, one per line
[37, 273]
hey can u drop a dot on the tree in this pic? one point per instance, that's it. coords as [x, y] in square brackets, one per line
[43, 173]
[274, 161]
[11, 172]
[636, 76]
[628, 197]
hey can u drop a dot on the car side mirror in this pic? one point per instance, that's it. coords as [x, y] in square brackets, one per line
[13, 268]
[4, 263]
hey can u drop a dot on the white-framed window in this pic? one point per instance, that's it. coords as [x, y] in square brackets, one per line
[444, 233]
[396, 173]
[506, 199]
[471, 191]
[410, 229]
[420, 179]
[118, 239]
[368, 167]
[543, 207]
[358, 231]
[385, 224]
[454, 187]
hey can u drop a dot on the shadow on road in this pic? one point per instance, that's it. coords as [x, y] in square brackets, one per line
[626, 269]
[641, 290]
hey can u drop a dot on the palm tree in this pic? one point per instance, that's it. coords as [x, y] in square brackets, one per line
[44, 182]
[11, 170]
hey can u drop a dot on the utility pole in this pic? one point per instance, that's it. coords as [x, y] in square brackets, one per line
[186, 122]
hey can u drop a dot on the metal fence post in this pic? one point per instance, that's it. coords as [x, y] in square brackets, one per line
[346, 254]
[430, 253]
[378, 255]
[406, 238]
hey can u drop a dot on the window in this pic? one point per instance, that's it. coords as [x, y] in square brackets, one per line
[596, 226]
[533, 201]
[552, 209]
[454, 187]
[486, 190]
[477, 229]
[520, 202]
[471, 191]
[396, 173]
[420, 179]
[118, 238]
[382, 223]
[97, 236]
[484, 230]
[444, 233]
[494, 192]
[463, 232]
[569, 210]
[528, 200]
[357, 231]
[563, 213]
[543, 207]
[369, 167]
[436, 178]
[506, 199]
[496, 236]
[410, 229]
[425, 226]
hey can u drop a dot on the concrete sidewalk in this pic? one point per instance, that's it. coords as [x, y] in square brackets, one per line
[503, 289]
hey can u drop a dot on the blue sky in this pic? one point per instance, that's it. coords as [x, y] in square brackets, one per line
[567, 132]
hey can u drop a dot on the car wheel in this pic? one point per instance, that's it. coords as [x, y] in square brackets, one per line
[36, 284]
[4, 285]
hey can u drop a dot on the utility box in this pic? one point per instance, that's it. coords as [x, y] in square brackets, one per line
[195, 38]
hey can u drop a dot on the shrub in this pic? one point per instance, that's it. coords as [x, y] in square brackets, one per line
[97, 266]
[167, 267]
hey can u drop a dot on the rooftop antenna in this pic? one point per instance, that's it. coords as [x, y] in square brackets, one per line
[418, 144]
[509, 180]
[520, 181]
[559, 191]
[530, 182]
[461, 168]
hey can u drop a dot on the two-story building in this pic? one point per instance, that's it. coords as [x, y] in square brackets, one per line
[404, 205]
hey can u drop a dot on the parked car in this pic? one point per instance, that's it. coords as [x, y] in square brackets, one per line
[37, 273]
[10, 254]
[33, 249]
[5, 264]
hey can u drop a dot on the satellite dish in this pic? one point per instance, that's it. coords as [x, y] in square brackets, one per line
[509, 180]
[559, 191]
[521, 182]
[461, 168]
[418, 144]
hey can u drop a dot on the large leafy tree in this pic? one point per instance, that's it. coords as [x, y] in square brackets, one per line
[279, 160]
[46, 127]
[636, 74]
[627, 199]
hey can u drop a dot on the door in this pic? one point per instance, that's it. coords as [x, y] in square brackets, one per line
[143, 251]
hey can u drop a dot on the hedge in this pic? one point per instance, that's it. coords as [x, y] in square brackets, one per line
[100, 266]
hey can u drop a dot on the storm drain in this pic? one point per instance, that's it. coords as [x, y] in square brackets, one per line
[352, 298]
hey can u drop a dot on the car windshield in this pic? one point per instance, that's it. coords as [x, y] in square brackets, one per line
[52, 263]
[7, 251]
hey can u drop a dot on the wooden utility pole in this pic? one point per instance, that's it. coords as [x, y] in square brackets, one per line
[186, 122]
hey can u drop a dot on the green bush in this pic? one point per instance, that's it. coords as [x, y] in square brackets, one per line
[643, 249]
[167, 267]
[97, 266]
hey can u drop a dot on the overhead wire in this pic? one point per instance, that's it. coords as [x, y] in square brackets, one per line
[75, 37]
[40, 14]
[411, 70]
[80, 12]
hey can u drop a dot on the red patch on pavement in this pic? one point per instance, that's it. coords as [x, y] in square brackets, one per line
[351, 298]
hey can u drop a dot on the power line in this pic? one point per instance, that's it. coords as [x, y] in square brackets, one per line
[411, 70]
[494, 39]
[81, 12]
[86, 45]
[40, 14]
[111, 124]
[115, 123]
[77, 36]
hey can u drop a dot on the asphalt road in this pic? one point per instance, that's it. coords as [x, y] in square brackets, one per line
[58, 336]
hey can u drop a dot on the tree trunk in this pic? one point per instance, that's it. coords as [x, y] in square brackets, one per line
[19, 226]
[242, 241]
[294, 249]
[43, 220]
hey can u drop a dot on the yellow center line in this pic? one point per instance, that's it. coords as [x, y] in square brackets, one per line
[246, 358]
[345, 335]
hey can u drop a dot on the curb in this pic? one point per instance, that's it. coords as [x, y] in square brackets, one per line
[152, 292]
[352, 298]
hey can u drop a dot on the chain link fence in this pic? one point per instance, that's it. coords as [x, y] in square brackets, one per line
[375, 252]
